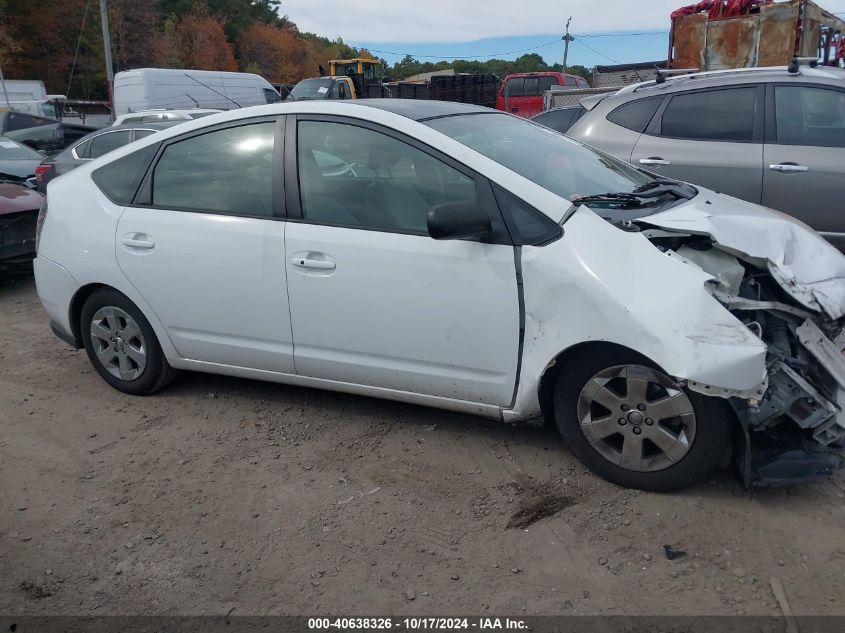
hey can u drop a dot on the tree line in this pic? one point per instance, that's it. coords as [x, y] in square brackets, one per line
[61, 43]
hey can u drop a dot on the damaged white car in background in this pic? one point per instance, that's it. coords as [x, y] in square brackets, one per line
[471, 261]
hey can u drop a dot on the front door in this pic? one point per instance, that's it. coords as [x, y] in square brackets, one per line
[805, 157]
[373, 299]
[206, 251]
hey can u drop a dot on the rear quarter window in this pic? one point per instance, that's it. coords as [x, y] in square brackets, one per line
[120, 179]
[635, 115]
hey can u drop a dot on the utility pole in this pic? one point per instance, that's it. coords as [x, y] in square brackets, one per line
[566, 39]
[5, 94]
[104, 18]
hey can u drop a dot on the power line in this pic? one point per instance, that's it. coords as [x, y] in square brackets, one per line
[625, 34]
[615, 61]
[522, 50]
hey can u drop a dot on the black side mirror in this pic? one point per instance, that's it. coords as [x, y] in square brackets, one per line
[458, 221]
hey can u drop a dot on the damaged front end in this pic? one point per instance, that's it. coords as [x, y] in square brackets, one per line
[787, 286]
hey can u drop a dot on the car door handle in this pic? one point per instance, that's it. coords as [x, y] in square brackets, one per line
[318, 264]
[136, 241]
[789, 168]
[654, 160]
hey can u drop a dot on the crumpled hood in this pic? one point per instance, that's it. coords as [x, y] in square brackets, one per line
[809, 269]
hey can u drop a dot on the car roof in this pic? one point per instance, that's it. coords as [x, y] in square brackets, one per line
[421, 109]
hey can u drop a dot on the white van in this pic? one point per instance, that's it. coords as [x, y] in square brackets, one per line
[172, 88]
[26, 95]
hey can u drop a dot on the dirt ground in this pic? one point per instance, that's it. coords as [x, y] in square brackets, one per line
[222, 493]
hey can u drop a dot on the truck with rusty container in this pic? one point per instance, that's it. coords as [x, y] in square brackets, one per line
[727, 34]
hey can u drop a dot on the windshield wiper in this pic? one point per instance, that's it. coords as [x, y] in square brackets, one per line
[642, 195]
[662, 186]
[631, 199]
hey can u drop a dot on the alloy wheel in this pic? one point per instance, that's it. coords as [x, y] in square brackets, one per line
[637, 418]
[118, 343]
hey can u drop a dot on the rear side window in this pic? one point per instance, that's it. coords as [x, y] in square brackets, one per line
[516, 87]
[107, 142]
[224, 171]
[271, 96]
[119, 179]
[82, 150]
[546, 83]
[532, 87]
[635, 115]
[570, 81]
[559, 120]
[715, 115]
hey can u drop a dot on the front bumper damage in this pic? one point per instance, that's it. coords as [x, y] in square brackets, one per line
[787, 285]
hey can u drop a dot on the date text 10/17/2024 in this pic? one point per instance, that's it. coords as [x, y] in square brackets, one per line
[417, 624]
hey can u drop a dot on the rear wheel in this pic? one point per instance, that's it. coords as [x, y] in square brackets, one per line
[121, 344]
[633, 425]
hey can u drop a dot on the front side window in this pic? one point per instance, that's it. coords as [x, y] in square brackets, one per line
[357, 177]
[224, 171]
[553, 161]
[714, 115]
[810, 116]
[107, 142]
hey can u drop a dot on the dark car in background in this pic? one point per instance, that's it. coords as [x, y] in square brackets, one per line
[19, 207]
[560, 119]
[47, 136]
[18, 163]
[95, 145]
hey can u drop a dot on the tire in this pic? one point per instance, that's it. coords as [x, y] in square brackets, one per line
[121, 344]
[676, 437]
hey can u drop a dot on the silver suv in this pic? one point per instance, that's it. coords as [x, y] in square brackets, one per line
[767, 135]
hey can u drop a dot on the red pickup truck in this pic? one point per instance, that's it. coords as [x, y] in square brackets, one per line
[522, 93]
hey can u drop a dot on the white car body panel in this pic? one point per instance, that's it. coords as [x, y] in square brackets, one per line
[596, 283]
[225, 300]
[405, 312]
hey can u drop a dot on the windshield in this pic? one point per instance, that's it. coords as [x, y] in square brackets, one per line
[311, 89]
[12, 150]
[551, 160]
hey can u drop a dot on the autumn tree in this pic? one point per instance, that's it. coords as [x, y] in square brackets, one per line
[273, 52]
[200, 43]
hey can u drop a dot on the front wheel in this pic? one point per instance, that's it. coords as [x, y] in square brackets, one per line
[121, 344]
[633, 425]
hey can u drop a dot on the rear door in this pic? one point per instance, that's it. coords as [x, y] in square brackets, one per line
[712, 138]
[204, 244]
[805, 155]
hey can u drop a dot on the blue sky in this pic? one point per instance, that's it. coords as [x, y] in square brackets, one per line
[621, 47]
[485, 28]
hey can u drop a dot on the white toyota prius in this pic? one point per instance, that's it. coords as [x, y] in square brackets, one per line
[462, 258]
